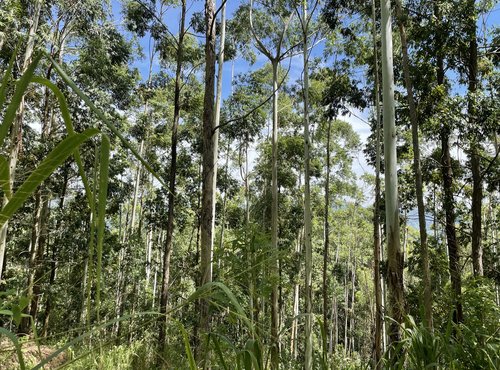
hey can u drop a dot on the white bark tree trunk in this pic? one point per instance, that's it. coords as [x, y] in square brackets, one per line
[394, 256]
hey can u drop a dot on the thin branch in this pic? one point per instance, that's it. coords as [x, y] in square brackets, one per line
[282, 36]
[160, 21]
[262, 48]
[257, 106]
[190, 73]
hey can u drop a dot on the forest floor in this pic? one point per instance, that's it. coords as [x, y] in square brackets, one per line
[32, 354]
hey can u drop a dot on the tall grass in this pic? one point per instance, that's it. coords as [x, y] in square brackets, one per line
[67, 147]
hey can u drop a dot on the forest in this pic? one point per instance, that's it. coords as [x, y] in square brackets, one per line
[249, 184]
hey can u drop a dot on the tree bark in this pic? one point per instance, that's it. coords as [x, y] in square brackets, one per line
[274, 226]
[394, 256]
[172, 188]
[376, 207]
[448, 201]
[208, 176]
[475, 159]
[307, 199]
[417, 169]
[326, 244]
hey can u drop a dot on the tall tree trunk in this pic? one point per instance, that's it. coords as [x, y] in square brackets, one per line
[36, 267]
[208, 176]
[394, 256]
[296, 293]
[376, 207]
[172, 189]
[383, 285]
[448, 201]
[307, 199]
[137, 184]
[149, 252]
[346, 305]
[334, 333]
[228, 149]
[275, 348]
[475, 159]
[353, 298]
[326, 244]
[417, 169]
[53, 262]
[218, 98]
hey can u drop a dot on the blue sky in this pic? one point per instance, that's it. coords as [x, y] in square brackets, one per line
[240, 65]
[172, 21]
[357, 120]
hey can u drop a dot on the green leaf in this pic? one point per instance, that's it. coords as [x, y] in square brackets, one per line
[6, 76]
[251, 354]
[187, 347]
[63, 106]
[240, 312]
[53, 160]
[16, 314]
[24, 302]
[219, 351]
[21, 86]
[5, 177]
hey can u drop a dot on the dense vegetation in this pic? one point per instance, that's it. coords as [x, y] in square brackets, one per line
[192, 184]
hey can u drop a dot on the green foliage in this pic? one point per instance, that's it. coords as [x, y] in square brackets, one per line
[98, 273]
[452, 347]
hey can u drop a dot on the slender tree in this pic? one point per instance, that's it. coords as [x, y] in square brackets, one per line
[305, 20]
[417, 168]
[447, 174]
[208, 173]
[275, 59]
[475, 158]
[172, 184]
[376, 207]
[394, 256]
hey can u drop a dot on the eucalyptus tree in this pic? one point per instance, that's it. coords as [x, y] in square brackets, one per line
[377, 238]
[394, 256]
[305, 22]
[271, 42]
[179, 45]
[208, 172]
[333, 93]
[245, 124]
[417, 169]
[447, 170]
[183, 53]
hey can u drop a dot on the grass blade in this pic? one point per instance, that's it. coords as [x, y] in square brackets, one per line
[6, 76]
[53, 160]
[187, 347]
[21, 86]
[219, 351]
[5, 177]
[105, 120]
[63, 106]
